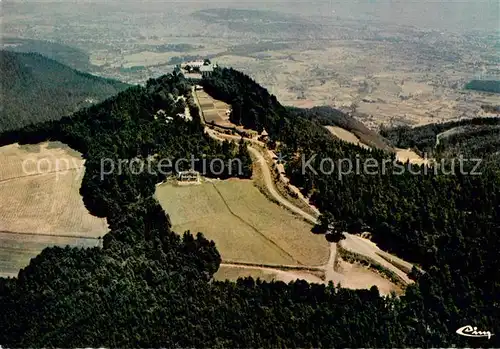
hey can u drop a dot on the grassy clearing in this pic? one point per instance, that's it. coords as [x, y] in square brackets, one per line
[291, 233]
[346, 136]
[41, 200]
[200, 208]
[244, 224]
[404, 155]
[42, 196]
[17, 249]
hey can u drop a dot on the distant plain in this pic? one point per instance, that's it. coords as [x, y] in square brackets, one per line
[387, 63]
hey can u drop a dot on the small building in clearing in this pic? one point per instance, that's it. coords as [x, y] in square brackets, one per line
[188, 177]
[264, 136]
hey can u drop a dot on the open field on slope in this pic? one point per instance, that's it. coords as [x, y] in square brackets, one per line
[346, 136]
[44, 198]
[16, 249]
[404, 155]
[244, 224]
[40, 203]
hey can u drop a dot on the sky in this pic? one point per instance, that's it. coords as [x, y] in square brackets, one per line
[448, 15]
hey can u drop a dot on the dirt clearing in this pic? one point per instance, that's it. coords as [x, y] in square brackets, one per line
[369, 249]
[356, 276]
[233, 272]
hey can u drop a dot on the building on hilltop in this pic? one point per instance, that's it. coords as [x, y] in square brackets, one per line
[206, 70]
[197, 69]
[192, 64]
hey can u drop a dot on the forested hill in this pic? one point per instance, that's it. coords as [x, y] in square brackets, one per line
[148, 287]
[471, 137]
[445, 219]
[329, 116]
[35, 88]
[256, 109]
[491, 86]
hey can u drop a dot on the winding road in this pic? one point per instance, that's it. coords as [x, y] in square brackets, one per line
[352, 242]
[448, 133]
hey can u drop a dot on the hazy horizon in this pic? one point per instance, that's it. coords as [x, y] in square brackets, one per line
[454, 16]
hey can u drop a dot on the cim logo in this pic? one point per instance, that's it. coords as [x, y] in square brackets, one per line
[469, 331]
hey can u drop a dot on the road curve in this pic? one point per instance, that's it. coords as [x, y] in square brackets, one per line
[268, 180]
[353, 243]
[362, 247]
[330, 274]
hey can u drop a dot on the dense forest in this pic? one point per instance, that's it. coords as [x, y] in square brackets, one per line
[71, 56]
[484, 86]
[481, 142]
[36, 88]
[477, 136]
[439, 221]
[149, 287]
[328, 116]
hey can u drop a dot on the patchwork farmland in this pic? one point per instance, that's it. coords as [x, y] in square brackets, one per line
[41, 205]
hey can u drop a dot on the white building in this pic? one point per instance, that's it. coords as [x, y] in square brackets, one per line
[206, 70]
[192, 64]
[188, 177]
